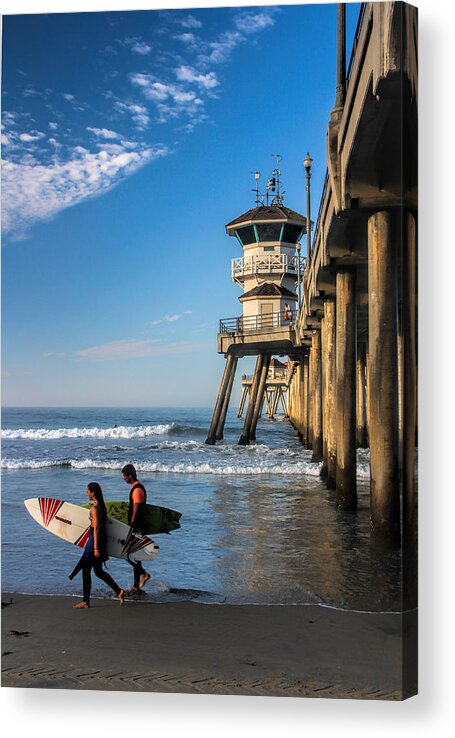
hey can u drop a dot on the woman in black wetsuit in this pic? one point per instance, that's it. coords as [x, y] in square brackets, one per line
[95, 552]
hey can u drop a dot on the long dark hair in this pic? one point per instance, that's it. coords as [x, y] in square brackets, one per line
[97, 492]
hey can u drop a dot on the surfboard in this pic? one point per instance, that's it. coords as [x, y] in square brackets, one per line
[71, 523]
[157, 519]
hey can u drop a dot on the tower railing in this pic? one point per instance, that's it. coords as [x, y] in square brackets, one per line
[266, 264]
[254, 323]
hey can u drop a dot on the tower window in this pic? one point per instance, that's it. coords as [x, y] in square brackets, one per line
[246, 235]
[292, 233]
[269, 231]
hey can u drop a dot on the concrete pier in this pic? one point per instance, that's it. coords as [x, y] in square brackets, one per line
[317, 395]
[329, 391]
[211, 438]
[346, 483]
[361, 396]
[227, 397]
[383, 239]
[260, 396]
[244, 439]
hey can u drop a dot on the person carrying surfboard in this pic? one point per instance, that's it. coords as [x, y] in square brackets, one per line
[95, 551]
[137, 503]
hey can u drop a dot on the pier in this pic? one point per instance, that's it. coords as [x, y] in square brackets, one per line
[344, 315]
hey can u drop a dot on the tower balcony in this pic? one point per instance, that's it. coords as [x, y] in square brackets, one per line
[253, 334]
[266, 264]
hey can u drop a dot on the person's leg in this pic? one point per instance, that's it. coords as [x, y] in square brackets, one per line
[86, 587]
[105, 577]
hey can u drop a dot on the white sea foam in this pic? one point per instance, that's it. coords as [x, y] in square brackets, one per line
[299, 467]
[121, 432]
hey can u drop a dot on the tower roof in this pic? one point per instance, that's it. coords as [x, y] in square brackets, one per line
[269, 289]
[265, 213]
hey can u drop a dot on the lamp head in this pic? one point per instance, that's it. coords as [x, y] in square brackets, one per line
[307, 162]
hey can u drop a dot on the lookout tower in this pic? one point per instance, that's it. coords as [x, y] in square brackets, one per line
[269, 273]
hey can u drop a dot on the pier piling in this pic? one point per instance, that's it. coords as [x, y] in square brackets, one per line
[383, 235]
[346, 329]
[211, 438]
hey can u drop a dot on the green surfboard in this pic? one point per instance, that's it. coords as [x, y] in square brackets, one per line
[157, 519]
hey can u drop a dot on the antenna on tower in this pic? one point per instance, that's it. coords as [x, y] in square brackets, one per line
[257, 176]
[277, 181]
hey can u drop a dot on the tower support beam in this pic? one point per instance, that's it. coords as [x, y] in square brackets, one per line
[211, 438]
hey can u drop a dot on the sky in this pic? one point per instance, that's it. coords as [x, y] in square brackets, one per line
[129, 139]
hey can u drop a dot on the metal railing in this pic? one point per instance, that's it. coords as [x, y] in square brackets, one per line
[355, 41]
[266, 264]
[253, 323]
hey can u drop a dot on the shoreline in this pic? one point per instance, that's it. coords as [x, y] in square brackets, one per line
[189, 647]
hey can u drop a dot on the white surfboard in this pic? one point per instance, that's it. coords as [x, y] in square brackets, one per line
[72, 523]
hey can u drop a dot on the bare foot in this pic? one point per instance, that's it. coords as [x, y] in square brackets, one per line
[144, 579]
[120, 596]
[81, 606]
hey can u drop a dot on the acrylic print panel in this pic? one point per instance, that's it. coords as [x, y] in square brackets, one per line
[209, 256]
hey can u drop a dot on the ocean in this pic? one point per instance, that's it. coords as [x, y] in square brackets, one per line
[257, 526]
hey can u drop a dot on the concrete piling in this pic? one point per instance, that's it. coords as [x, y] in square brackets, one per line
[361, 431]
[329, 390]
[222, 419]
[211, 438]
[260, 396]
[383, 240]
[346, 339]
[244, 439]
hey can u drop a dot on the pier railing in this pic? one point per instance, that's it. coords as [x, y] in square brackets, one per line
[253, 323]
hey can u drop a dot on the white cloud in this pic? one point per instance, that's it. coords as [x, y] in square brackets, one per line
[170, 318]
[139, 113]
[32, 136]
[191, 22]
[53, 126]
[34, 192]
[135, 349]
[103, 133]
[221, 49]
[252, 22]
[68, 97]
[186, 38]
[142, 48]
[188, 74]
[171, 100]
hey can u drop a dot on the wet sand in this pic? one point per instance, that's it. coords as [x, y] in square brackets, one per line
[293, 651]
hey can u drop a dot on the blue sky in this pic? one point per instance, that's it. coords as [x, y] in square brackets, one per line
[128, 143]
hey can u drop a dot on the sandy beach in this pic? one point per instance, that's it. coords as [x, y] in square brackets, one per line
[289, 650]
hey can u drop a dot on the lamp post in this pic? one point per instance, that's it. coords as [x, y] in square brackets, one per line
[298, 246]
[307, 162]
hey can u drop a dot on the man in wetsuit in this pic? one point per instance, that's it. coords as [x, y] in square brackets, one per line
[138, 500]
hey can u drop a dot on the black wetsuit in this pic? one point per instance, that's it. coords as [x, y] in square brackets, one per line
[89, 561]
[138, 527]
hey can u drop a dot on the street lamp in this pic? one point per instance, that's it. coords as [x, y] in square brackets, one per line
[307, 162]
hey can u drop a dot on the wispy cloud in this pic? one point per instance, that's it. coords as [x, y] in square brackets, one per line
[139, 113]
[34, 192]
[104, 133]
[191, 22]
[135, 349]
[46, 173]
[141, 48]
[170, 318]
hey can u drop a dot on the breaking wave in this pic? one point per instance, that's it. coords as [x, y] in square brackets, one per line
[231, 467]
[122, 431]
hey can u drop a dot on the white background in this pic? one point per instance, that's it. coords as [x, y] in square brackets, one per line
[75, 713]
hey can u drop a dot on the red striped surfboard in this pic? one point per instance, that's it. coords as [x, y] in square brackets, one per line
[71, 523]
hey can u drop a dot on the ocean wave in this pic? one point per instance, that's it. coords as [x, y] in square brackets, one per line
[121, 432]
[232, 468]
